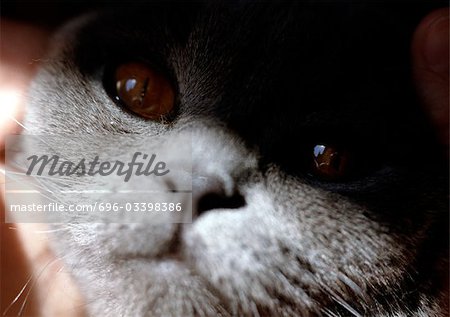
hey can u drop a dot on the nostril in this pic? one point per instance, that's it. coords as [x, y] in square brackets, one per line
[216, 201]
[208, 193]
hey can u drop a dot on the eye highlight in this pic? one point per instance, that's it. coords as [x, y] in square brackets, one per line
[330, 163]
[142, 90]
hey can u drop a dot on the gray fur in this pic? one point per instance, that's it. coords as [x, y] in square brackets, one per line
[294, 249]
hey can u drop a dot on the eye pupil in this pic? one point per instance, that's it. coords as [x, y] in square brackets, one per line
[336, 161]
[143, 90]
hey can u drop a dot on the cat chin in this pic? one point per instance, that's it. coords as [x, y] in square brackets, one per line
[170, 287]
[149, 287]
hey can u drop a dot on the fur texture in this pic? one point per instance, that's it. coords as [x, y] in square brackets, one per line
[257, 84]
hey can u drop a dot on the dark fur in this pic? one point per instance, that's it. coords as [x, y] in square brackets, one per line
[280, 77]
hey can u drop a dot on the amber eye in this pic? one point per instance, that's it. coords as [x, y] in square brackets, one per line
[143, 90]
[330, 162]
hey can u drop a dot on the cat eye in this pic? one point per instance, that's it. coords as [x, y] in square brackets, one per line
[330, 162]
[142, 90]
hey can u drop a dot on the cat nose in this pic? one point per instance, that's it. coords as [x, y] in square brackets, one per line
[210, 192]
[221, 165]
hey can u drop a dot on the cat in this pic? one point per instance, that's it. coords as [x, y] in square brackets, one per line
[317, 187]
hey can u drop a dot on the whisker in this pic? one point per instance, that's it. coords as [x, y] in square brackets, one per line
[329, 313]
[17, 296]
[73, 180]
[51, 230]
[341, 301]
[352, 285]
[48, 187]
[20, 124]
[22, 307]
[36, 136]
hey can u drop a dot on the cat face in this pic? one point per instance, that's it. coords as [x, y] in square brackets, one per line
[316, 190]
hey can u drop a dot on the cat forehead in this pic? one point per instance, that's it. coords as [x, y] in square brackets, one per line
[224, 27]
[246, 55]
[306, 48]
[303, 64]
